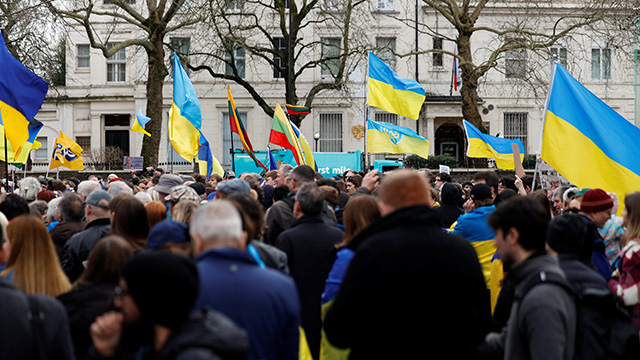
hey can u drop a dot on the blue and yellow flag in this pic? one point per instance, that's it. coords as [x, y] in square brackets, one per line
[306, 149]
[139, 122]
[67, 153]
[21, 95]
[207, 163]
[388, 138]
[487, 146]
[586, 141]
[392, 93]
[22, 155]
[185, 118]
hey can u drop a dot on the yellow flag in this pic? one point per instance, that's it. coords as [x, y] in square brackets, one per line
[66, 153]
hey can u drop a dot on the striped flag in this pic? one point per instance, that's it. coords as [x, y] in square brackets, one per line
[283, 134]
[297, 109]
[238, 128]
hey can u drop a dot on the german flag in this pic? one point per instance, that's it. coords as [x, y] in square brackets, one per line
[297, 110]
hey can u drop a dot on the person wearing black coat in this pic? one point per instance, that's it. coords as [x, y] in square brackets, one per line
[411, 290]
[310, 248]
[449, 211]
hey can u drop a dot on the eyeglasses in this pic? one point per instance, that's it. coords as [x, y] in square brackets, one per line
[120, 292]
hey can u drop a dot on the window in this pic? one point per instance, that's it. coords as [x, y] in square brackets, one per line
[110, 2]
[280, 68]
[85, 144]
[331, 5]
[84, 56]
[600, 63]
[181, 46]
[515, 127]
[386, 47]
[117, 65]
[330, 132]
[386, 117]
[331, 51]
[235, 4]
[488, 126]
[41, 153]
[516, 64]
[237, 58]
[561, 53]
[437, 56]
[385, 5]
[226, 137]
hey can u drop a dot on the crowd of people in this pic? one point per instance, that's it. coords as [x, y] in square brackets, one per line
[293, 265]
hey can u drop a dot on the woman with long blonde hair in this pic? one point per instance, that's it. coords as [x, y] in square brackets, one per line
[625, 280]
[32, 265]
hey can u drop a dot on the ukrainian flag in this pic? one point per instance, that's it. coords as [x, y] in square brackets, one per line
[388, 138]
[21, 95]
[588, 142]
[487, 146]
[22, 155]
[67, 153]
[139, 123]
[185, 118]
[207, 163]
[392, 93]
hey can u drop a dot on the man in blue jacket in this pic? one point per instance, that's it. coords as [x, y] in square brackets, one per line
[262, 301]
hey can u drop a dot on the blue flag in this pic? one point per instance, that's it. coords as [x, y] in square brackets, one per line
[272, 161]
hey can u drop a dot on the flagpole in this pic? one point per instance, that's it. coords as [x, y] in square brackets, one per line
[366, 113]
[6, 160]
[544, 119]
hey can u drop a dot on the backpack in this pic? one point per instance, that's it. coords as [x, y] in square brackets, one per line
[603, 330]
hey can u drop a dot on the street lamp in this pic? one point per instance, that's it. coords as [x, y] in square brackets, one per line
[316, 137]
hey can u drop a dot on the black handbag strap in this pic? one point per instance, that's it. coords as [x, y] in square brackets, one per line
[36, 319]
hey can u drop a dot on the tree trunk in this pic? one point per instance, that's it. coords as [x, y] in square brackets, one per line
[155, 82]
[469, 88]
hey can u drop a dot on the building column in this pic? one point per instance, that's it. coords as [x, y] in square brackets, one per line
[430, 134]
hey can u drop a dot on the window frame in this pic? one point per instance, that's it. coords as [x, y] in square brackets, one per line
[330, 142]
[328, 66]
[516, 64]
[509, 130]
[437, 57]
[280, 68]
[118, 66]
[604, 63]
[238, 56]
[386, 46]
[86, 57]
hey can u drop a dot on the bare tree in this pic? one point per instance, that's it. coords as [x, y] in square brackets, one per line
[531, 26]
[151, 23]
[34, 38]
[276, 37]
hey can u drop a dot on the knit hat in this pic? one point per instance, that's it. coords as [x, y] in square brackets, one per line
[167, 231]
[596, 200]
[480, 192]
[183, 193]
[166, 182]
[566, 233]
[163, 285]
[200, 188]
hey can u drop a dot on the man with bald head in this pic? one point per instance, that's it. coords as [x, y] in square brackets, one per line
[411, 290]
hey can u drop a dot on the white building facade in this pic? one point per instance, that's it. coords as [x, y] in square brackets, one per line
[101, 97]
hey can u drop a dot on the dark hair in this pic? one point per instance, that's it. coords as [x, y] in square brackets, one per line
[443, 176]
[280, 192]
[331, 195]
[507, 194]
[303, 174]
[525, 215]
[70, 207]
[130, 220]
[14, 205]
[273, 174]
[527, 181]
[489, 177]
[253, 214]
[355, 179]
[199, 178]
[509, 183]
[311, 199]
[155, 179]
[58, 185]
[360, 212]
[106, 260]
[38, 208]
[541, 197]
[255, 185]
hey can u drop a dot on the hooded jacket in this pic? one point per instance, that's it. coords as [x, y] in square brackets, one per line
[448, 211]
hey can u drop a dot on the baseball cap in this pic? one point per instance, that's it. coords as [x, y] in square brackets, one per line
[480, 192]
[96, 196]
[167, 231]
